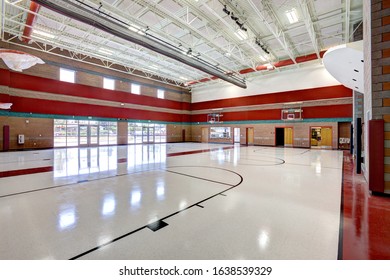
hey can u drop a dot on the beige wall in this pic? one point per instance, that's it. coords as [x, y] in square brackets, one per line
[38, 132]
[264, 134]
[175, 133]
[122, 133]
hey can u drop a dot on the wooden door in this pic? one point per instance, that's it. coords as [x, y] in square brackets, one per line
[288, 137]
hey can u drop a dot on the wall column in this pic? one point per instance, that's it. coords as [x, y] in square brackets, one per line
[377, 72]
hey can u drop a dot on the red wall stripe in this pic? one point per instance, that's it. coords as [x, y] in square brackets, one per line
[40, 106]
[11, 173]
[18, 172]
[5, 77]
[281, 97]
[33, 83]
[331, 111]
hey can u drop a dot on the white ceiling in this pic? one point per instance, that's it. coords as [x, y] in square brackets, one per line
[199, 25]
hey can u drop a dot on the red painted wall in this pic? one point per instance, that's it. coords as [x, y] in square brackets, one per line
[281, 97]
[40, 106]
[315, 112]
[27, 82]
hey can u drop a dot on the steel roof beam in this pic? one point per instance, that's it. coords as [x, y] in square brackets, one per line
[279, 35]
[104, 23]
[309, 25]
[347, 20]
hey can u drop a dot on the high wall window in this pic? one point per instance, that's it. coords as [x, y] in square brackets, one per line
[73, 133]
[135, 88]
[146, 133]
[108, 83]
[161, 93]
[67, 75]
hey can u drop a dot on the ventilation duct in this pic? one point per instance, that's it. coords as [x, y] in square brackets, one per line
[91, 16]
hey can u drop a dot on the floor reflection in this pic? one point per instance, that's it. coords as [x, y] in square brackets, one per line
[83, 161]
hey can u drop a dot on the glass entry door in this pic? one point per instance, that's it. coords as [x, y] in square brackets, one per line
[88, 135]
[93, 135]
[147, 134]
[83, 135]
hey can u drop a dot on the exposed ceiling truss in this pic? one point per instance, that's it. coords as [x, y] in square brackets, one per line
[255, 33]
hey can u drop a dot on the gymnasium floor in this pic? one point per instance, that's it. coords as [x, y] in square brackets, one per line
[170, 201]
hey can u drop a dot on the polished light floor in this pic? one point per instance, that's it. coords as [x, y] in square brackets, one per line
[170, 201]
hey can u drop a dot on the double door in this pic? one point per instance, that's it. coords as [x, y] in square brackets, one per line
[88, 135]
[147, 134]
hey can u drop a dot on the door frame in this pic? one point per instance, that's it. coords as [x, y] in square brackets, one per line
[279, 127]
[147, 135]
[88, 144]
[247, 138]
[90, 135]
[326, 126]
[234, 135]
[284, 142]
[201, 134]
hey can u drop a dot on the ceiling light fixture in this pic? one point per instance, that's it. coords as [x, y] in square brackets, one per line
[105, 51]
[136, 28]
[292, 16]
[43, 33]
[262, 58]
[241, 34]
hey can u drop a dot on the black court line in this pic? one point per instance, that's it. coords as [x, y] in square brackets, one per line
[272, 148]
[107, 243]
[79, 182]
[196, 177]
[305, 152]
[200, 206]
[274, 164]
[164, 218]
[82, 181]
[222, 194]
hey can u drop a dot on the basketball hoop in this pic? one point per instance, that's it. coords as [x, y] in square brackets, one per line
[18, 60]
[291, 114]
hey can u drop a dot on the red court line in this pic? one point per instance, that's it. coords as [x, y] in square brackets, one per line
[366, 218]
[11, 173]
[198, 151]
